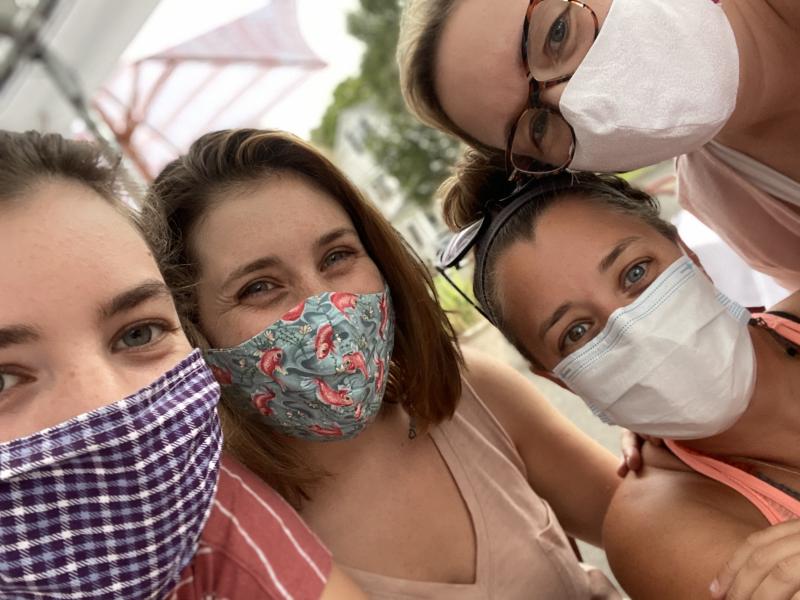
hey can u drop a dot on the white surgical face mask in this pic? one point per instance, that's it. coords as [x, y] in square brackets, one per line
[678, 362]
[660, 80]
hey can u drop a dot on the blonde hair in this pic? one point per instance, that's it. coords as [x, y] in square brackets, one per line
[421, 27]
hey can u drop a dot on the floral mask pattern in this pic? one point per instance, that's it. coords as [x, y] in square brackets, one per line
[318, 373]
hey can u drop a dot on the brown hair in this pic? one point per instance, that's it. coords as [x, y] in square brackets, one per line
[421, 29]
[32, 158]
[424, 376]
[479, 179]
[29, 159]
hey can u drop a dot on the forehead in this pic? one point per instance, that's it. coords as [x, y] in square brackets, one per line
[480, 78]
[569, 240]
[283, 212]
[67, 248]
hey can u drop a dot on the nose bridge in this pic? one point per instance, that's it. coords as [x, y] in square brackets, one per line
[311, 283]
[608, 302]
[550, 96]
[90, 381]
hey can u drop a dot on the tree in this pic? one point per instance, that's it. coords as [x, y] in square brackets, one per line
[418, 156]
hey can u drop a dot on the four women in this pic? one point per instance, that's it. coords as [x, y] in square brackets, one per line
[343, 386]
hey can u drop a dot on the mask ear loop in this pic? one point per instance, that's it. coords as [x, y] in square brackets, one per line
[461, 293]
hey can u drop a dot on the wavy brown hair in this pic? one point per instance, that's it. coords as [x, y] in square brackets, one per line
[424, 376]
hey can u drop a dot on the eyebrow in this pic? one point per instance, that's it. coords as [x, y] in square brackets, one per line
[554, 318]
[605, 265]
[612, 256]
[265, 262]
[130, 299]
[334, 235]
[17, 334]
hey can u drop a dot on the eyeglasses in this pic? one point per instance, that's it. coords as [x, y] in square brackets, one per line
[556, 37]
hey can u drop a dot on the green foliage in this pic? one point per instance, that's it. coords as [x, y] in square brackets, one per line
[349, 92]
[418, 156]
[461, 313]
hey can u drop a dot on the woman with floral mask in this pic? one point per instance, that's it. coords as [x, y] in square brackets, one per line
[112, 480]
[613, 85]
[586, 280]
[424, 475]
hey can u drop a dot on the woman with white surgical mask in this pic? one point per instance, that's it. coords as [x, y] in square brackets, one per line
[581, 274]
[614, 85]
[113, 480]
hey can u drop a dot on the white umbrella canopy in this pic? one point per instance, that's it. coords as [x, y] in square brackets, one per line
[228, 77]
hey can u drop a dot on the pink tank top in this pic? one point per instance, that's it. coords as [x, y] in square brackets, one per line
[775, 505]
[755, 209]
[521, 549]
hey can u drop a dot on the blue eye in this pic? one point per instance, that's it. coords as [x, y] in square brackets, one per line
[139, 336]
[538, 127]
[558, 33]
[8, 381]
[635, 274]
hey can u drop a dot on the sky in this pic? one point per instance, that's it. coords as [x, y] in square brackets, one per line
[323, 23]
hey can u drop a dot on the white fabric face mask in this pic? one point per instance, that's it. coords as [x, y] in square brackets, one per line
[678, 362]
[660, 80]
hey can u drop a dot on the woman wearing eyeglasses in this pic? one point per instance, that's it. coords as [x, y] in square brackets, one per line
[614, 85]
[581, 274]
[426, 475]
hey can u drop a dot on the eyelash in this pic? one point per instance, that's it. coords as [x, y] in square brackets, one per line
[6, 371]
[244, 293]
[645, 263]
[165, 327]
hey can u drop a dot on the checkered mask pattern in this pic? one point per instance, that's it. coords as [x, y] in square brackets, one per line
[111, 504]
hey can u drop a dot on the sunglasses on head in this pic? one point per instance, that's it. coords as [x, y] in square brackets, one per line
[481, 232]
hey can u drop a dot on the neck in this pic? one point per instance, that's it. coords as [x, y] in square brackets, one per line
[340, 457]
[761, 125]
[770, 427]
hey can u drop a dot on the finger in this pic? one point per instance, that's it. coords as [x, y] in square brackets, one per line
[622, 467]
[752, 564]
[755, 540]
[634, 460]
[783, 581]
[629, 441]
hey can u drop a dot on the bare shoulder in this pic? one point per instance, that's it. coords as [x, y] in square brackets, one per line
[790, 304]
[504, 390]
[668, 530]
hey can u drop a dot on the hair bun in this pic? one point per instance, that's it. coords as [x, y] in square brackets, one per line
[477, 178]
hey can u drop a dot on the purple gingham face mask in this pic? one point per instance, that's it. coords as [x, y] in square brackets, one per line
[111, 504]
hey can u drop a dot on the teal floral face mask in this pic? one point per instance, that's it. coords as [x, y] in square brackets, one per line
[318, 373]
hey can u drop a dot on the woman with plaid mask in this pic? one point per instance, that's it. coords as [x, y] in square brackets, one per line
[113, 482]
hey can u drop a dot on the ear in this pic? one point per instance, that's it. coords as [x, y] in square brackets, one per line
[542, 372]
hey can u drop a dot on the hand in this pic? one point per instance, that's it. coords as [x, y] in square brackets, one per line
[631, 444]
[765, 567]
